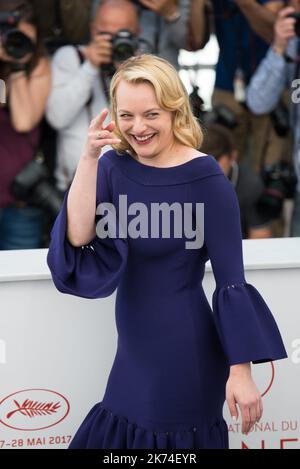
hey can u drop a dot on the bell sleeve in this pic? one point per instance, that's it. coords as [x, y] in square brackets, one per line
[93, 270]
[245, 325]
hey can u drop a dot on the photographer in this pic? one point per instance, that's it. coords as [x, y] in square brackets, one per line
[164, 27]
[81, 79]
[249, 187]
[26, 72]
[244, 31]
[281, 66]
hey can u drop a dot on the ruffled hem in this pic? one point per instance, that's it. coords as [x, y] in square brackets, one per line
[103, 429]
[90, 271]
[246, 326]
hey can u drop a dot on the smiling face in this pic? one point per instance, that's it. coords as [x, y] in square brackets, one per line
[143, 123]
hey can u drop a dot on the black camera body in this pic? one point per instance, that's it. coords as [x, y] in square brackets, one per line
[124, 45]
[197, 104]
[222, 115]
[33, 185]
[280, 183]
[15, 43]
[296, 15]
[280, 119]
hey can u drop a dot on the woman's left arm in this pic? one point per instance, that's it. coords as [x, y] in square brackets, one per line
[28, 96]
[246, 327]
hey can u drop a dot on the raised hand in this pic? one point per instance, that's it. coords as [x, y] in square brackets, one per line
[99, 136]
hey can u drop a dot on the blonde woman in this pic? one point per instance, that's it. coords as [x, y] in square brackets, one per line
[177, 359]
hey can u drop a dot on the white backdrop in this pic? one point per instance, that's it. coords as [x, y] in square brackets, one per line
[56, 350]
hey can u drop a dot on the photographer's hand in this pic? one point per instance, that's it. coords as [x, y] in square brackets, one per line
[28, 96]
[284, 30]
[99, 51]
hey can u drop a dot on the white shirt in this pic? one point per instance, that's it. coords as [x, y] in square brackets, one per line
[73, 84]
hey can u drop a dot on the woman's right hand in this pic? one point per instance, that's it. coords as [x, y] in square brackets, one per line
[99, 136]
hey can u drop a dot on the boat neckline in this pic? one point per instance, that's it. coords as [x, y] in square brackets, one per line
[163, 168]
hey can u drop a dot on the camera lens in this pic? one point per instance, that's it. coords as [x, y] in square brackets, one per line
[122, 52]
[124, 45]
[296, 15]
[17, 44]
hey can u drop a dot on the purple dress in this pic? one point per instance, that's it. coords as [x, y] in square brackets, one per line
[166, 388]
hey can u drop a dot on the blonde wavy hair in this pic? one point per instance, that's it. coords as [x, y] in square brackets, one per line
[170, 92]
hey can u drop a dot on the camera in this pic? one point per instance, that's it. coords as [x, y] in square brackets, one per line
[124, 45]
[280, 119]
[222, 115]
[297, 24]
[15, 43]
[33, 186]
[197, 103]
[280, 183]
